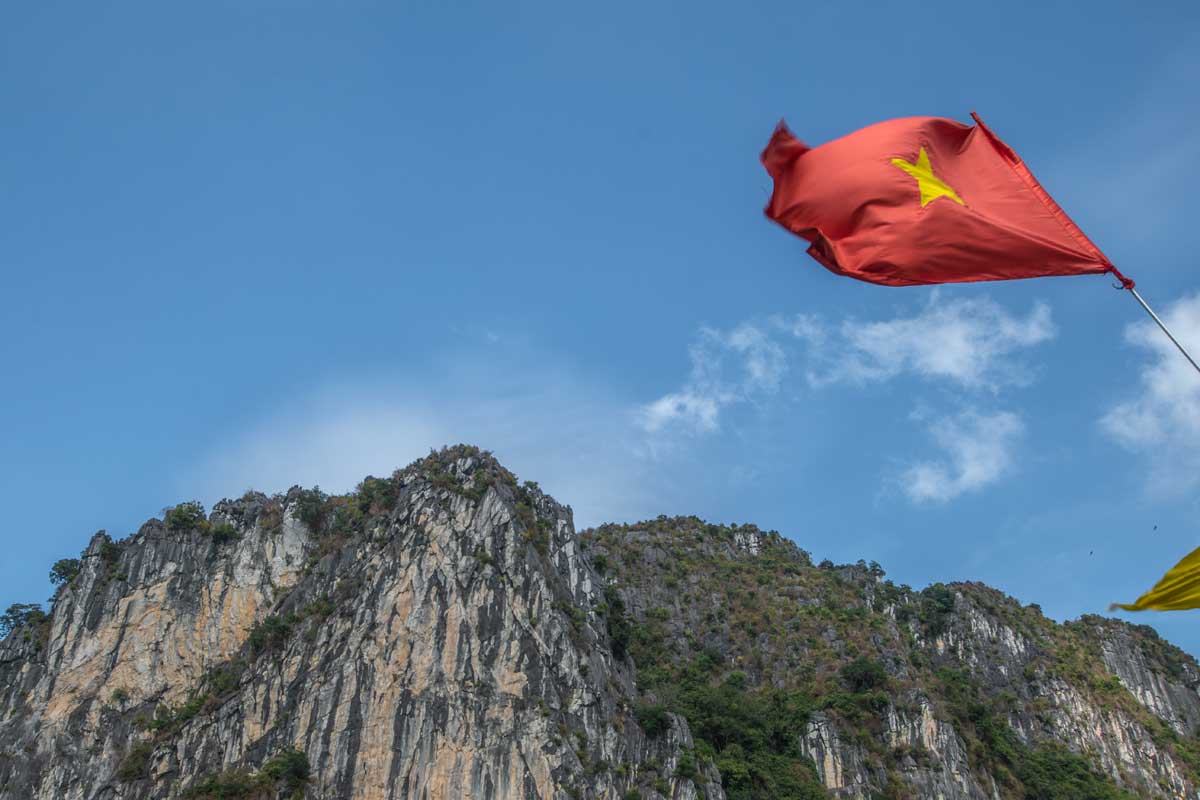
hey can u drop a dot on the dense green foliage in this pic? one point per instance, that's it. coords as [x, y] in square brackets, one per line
[223, 679]
[742, 635]
[936, 606]
[186, 516]
[22, 615]
[170, 719]
[863, 674]
[1052, 772]
[224, 533]
[752, 735]
[312, 508]
[136, 764]
[616, 622]
[110, 553]
[1048, 772]
[749, 731]
[232, 784]
[653, 719]
[287, 771]
[271, 633]
[289, 767]
[64, 571]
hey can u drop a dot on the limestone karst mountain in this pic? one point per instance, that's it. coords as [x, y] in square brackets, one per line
[445, 633]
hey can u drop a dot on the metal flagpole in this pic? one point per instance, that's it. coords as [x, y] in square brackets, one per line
[1128, 284]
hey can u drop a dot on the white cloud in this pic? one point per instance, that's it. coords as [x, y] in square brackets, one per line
[726, 368]
[1163, 419]
[970, 343]
[542, 421]
[580, 440]
[978, 451]
[694, 409]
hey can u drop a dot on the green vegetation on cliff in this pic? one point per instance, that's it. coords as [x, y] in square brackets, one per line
[736, 630]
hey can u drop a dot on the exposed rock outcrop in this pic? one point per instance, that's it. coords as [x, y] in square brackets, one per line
[445, 633]
[439, 641]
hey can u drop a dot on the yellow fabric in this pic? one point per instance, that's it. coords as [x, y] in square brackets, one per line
[932, 187]
[1179, 589]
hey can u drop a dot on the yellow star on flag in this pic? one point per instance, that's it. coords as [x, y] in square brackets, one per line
[932, 187]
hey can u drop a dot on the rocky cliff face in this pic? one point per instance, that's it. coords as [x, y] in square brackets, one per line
[445, 633]
[432, 636]
[952, 692]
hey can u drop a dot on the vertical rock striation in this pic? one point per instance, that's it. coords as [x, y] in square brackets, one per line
[438, 639]
[444, 633]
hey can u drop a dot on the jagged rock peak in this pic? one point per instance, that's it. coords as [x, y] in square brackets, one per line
[442, 632]
[435, 633]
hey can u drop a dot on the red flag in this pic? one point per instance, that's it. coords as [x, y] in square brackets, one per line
[923, 200]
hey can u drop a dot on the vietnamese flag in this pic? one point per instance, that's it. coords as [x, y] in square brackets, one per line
[923, 200]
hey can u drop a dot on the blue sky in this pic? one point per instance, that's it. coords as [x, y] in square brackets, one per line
[292, 244]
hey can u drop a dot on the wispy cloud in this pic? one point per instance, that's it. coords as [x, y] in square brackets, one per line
[970, 343]
[727, 367]
[1163, 418]
[542, 419]
[978, 450]
[588, 445]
